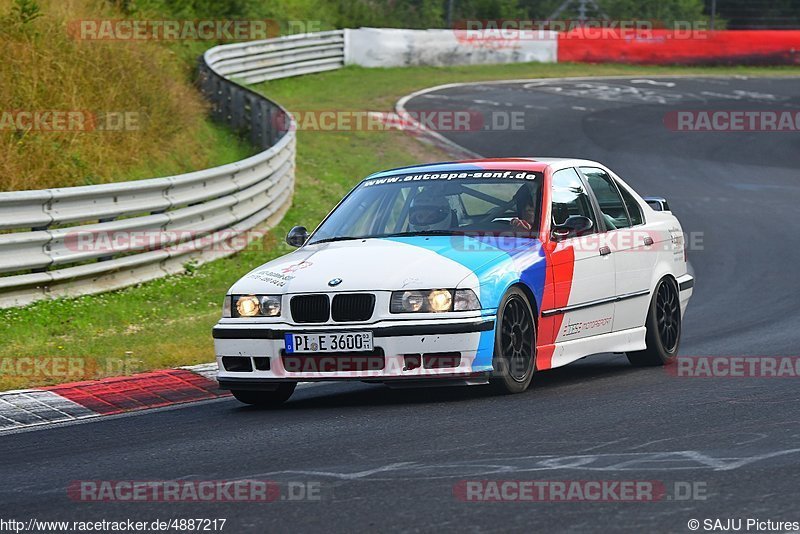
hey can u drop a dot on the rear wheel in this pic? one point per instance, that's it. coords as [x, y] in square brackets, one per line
[266, 399]
[515, 344]
[663, 327]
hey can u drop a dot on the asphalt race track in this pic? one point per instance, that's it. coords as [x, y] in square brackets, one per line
[390, 459]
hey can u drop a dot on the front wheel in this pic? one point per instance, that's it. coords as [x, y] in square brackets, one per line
[266, 399]
[663, 327]
[515, 344]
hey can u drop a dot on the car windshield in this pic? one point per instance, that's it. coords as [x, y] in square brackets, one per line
[443, 203]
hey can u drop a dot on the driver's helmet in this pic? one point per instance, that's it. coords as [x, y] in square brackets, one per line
[429, 210]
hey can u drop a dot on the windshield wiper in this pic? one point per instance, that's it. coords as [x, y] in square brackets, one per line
[338, 238]
[420, 232]
[379, 236]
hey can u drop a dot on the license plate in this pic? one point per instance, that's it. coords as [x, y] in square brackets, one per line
[328, 342]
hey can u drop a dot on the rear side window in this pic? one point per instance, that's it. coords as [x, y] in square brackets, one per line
[633, 207]
[615, 214]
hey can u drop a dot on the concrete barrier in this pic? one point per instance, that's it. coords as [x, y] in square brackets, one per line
[386, 47]
[667, 47]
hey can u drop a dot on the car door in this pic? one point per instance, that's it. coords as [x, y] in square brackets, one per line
[630, 245]
[582, 267]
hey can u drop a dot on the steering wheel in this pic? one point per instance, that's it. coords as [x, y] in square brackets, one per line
[494, 212]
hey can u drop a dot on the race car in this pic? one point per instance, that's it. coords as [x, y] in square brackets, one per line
[472, 272]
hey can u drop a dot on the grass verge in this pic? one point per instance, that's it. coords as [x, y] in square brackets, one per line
[136, 113]
[167, 322]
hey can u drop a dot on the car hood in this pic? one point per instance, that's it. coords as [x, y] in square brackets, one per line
[415, 262]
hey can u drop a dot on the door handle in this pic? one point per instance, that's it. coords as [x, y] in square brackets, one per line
[648, 241]
[605, 251]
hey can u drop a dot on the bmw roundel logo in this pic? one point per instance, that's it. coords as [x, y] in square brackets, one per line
[335, 282]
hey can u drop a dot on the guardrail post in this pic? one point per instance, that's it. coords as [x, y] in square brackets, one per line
[111, 256]
[240, 125]
[259, 125]
[274, 119]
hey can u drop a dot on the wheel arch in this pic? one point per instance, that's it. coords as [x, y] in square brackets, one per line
[531, 299]
[665, 276]
[518, 286]
[662, 270]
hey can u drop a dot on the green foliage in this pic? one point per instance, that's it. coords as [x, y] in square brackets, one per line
[45, 68]
[125, 6]
[490, 9]
[657, 10]
[190, 267]
[742, 14]
[328, 14]
[25, 11]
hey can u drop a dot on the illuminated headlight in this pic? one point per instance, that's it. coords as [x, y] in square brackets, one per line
[440, 300]
[256, 305]
[247, 306]
[434, 301]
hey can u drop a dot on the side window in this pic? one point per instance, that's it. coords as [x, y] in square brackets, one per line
[605, 190]
[633, 207]
[570, 197]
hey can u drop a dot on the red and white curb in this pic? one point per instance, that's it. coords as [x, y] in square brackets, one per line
[110, 396]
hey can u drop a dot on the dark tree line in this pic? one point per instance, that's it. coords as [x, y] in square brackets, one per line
[732, 14]
[758, 14]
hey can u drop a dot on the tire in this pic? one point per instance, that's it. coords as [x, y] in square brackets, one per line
[514, 359]
[663, 327]
[266, 399]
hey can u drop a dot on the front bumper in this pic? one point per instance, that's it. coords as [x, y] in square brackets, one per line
[393, 341]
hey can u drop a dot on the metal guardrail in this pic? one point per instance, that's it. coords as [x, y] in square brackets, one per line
[193, 214]
[292, 55]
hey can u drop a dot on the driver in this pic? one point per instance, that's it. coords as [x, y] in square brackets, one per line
[429, 211]
[526, 210]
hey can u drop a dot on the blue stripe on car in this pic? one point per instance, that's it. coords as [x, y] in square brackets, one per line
[524, 262]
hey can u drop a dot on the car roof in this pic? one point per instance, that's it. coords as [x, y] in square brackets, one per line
[522, 164]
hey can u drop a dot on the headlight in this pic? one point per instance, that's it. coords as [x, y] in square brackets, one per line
[434, 301]
[410, 301]
[440, 300]
[270, 305]
[256, 305]
[247, 306]
[466, 300]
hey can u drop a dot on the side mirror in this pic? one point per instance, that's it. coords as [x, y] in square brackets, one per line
[297, 236]
[575, 225]
[657, 203]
